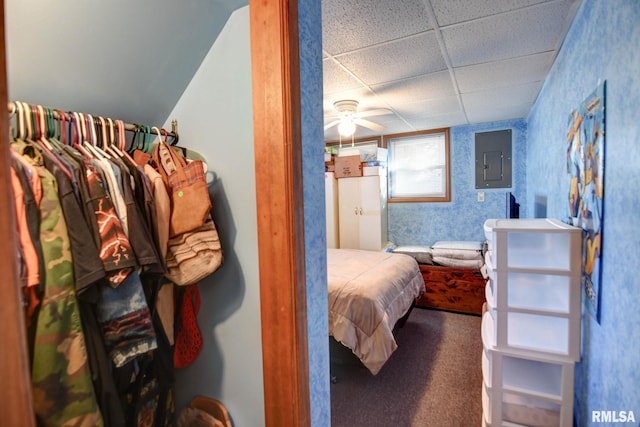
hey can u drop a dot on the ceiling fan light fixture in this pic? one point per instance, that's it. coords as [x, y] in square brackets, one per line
[347, 127]
[346, 107]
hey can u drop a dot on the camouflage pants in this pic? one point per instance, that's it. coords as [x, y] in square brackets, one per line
[63, 392]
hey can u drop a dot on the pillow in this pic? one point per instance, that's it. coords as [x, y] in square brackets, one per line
[422, 254]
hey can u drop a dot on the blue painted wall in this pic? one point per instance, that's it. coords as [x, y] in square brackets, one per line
[603, 44]
[229, 368]
[462, 219]
[310, 38]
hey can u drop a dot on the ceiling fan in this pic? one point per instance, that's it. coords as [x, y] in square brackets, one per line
[348, 117]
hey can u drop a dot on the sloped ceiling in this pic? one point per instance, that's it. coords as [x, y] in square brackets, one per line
[128, 60]
[439, 63]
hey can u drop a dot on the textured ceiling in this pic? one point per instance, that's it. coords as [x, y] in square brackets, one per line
[439, 63]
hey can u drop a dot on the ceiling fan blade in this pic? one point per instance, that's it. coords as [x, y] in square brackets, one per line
[376, 112]
[333, 123]
[368, 124]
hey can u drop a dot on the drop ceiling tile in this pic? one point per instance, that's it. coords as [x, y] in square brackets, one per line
[429, 107]
[514, 101]
[399, 127]
[509, 72]
[453, 11]
[336, 79]
[353, 24]
[428, 86]
[389, 121]
[499, 113]
[438, 121]
[523, 32]
[394, 124]
[401, 59]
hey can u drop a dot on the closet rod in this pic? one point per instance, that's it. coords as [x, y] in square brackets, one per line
[127, 126]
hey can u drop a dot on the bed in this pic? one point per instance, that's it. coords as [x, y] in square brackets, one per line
[369, 292]
[452, 272]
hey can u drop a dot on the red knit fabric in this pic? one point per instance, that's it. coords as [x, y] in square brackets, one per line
[188, 339]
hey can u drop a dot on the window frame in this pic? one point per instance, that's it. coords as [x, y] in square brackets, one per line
[356, 142]
[388, 140]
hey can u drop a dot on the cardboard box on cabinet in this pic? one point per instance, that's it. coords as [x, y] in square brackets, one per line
[348, 166]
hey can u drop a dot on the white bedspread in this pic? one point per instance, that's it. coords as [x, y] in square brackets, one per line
[368, 292]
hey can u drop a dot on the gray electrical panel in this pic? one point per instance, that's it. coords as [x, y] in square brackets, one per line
[493, 159]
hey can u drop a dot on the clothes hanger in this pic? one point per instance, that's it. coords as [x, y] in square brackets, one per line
[19, 121]
[78, 136]
[12, 113]
[111, 145]
[122, 140]
[90, 144]
[52, 128]
[33, 148]
[63, 135]
[174, 131]
[106, 143]
[33, 129]
[159, 132]
[146, 140]
[104, 140]
[28, 120]
[43, 130]
[134, 139]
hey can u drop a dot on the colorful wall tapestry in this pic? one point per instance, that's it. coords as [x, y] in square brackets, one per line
[585, 167]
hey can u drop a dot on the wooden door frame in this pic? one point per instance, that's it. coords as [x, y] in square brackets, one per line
[16, 403]
[278, 165]
[275, 73]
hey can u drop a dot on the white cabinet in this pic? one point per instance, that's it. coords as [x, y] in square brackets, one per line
[531, 330]
[363, 212]
[331, 205]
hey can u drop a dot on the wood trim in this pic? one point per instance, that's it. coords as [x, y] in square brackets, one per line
[347, 143]
[16, 405]
[279, 193]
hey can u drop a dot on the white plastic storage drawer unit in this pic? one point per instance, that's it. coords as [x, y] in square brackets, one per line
[539, 243]
[516, 410]
[525, 389]
[532, 332]
[542, 378]
[534, 289]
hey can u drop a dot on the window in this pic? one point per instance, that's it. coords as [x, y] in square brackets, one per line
[419, 166]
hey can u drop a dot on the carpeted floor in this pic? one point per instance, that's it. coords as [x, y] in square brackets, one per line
[433, 379]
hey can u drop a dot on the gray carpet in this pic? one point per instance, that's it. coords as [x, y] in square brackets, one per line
[433, 379]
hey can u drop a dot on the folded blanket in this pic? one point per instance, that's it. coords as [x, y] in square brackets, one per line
[458, 244]
[422, 254]
[450, 253]
[455, 262]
